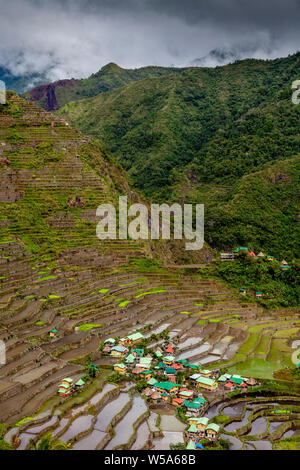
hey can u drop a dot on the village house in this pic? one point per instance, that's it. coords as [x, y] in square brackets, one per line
[53, 333]
[137, 370]
[121, 368]
[252, 254]
[209, 384]
[270, 258]
[66, 387]
[194, 377]
[146, 374]
[118, 351]
[156, 396]
[258, 294]
[166, 387]
[192, 408]
[151, 381]
[147, 392]
[146, 360]
[185, 393]
[226, 256]
[106, 349]
[284, 267]
[130, 359]
[165, 397]
[261, 254]
[168, 360]
[177, 401]
[176, 366]
[202, 424]
[135, 338]
[222, 379]
[243, 291]
[212, 431]
[229, 386]
[205, 373]
[192, 433]
[191, 445]
[110, 341]
[251, 382]
[170, 371]
[169, 349]
[80, 384]
[137, 352]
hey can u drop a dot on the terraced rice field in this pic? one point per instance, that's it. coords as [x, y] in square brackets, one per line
[59, 275]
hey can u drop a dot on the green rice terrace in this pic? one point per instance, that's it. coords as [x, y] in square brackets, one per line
[123, 344]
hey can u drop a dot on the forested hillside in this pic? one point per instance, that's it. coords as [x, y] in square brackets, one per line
[202, 136]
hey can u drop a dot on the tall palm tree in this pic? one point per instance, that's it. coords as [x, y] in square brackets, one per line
[48, 442]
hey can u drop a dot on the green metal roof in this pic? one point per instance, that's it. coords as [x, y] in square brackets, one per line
[203, 420]
[121, 366]
[152, 381]
[166, 385]
[213, 426]
[191, 445]
[199, 400]
[130, 359]
[170, 370]
[186, 393]
[193, 405]
[222, 378]
[110, 340]
[80, 382]
[205, 381]
[193, 428]
[169, 358]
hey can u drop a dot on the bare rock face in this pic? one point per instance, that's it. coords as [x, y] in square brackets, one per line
[48, 92]
[10, 187]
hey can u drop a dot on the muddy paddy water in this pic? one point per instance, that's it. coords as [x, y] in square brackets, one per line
[189, 342]
[171, 423]
[142, 436]
[168, 438]
[157, 330]
[194, 351]
[80, 424]
[25, 438]
[259, 426]
[172, 430]
[231, 427]
[90, 442]
[110, 410]
[236, 444]
[234, 410]
[124, 429]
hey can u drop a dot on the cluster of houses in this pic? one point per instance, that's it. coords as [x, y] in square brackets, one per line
[121, 348]
[200, 428]
[284, 266]
[67, 387]
[160, 371]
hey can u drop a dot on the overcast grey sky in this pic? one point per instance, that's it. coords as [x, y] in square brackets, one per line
[74, 38]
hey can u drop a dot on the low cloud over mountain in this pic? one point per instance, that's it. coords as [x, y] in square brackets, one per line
[66, 39]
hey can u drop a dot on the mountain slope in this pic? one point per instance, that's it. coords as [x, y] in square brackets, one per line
[192, 136]
[53, 96]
